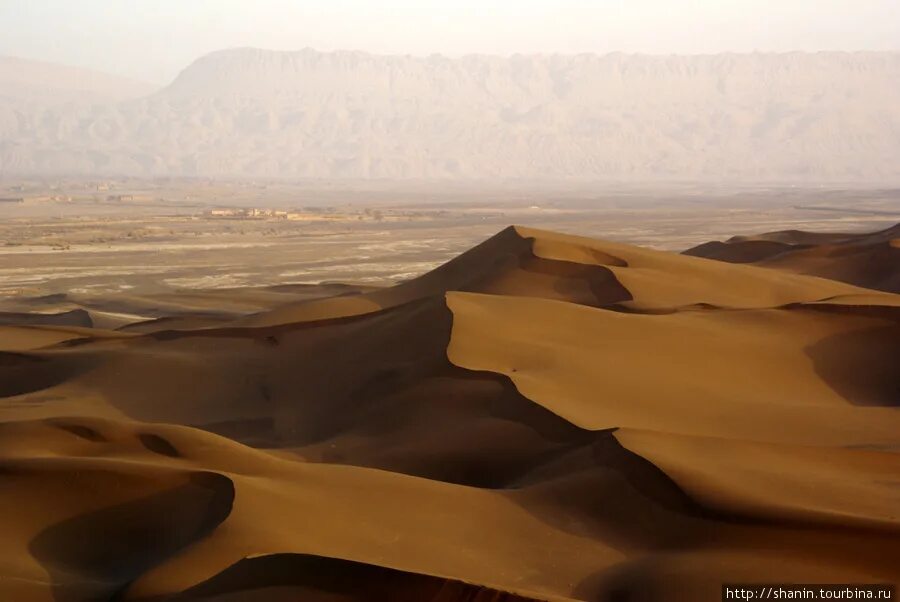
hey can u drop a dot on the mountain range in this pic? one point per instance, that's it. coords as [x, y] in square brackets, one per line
[307, 114]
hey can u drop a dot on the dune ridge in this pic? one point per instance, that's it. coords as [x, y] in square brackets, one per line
[871, 259]
[544, 417]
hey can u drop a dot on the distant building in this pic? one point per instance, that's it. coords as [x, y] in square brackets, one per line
[120, 197]
[255, 212]
[266, 213]
[16, 199]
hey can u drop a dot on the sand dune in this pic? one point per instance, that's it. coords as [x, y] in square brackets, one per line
[871, 260]
[545, 417]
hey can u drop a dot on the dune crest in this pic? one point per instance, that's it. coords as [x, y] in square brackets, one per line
[871, 260]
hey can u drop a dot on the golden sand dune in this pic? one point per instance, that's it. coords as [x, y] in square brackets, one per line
[545, 417]
[186, 309]
[871, 260]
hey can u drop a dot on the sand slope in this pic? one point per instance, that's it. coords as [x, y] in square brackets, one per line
[545, 417]
[871, 259]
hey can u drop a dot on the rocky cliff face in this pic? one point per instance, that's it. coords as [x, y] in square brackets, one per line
[247, 112]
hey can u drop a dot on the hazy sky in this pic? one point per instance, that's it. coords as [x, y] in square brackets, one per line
[154, 39]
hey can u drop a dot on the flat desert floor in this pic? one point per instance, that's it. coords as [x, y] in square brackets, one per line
[163, 238]
[398, 396]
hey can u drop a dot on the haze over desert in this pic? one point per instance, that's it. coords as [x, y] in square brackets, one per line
[411, 302]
